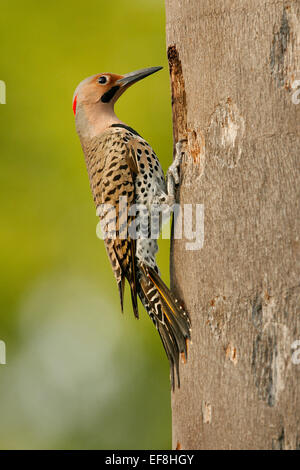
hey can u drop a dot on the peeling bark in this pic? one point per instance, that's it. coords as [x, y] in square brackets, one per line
[233, 67]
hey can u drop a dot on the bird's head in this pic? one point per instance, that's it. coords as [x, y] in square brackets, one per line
[103, 90]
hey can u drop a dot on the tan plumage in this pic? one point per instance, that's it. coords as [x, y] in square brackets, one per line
[121, 164]
[110, 167]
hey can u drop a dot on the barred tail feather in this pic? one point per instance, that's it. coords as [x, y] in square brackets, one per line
[172, 322]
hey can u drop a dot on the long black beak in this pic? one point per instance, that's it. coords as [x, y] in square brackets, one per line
[134, 77]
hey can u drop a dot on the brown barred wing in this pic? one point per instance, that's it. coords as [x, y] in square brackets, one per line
[117, 196]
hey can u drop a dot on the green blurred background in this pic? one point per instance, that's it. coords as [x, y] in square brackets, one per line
[79, 375]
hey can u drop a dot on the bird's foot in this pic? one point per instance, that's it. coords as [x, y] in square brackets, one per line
[162, 198]
[173, 170]
[172, 178]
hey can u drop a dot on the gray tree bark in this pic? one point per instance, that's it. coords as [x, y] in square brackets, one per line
[233, 67]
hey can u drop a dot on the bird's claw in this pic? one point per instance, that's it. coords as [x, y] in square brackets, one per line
[172, 178]
[178, 148]
[173, 170]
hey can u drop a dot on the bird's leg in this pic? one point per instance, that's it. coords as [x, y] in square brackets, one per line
[173, 173]
[172, 179]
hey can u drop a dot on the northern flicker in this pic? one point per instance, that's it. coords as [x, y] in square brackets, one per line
[121, 164]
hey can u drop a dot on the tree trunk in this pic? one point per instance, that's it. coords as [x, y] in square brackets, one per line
[233, 67]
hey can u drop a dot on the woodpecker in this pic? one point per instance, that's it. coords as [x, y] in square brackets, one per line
[121, 164]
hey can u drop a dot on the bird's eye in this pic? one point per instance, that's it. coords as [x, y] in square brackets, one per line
[102, 80]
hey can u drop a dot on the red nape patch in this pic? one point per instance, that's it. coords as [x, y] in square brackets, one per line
[75, 105]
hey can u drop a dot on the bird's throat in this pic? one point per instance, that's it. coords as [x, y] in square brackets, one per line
[93, 119]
